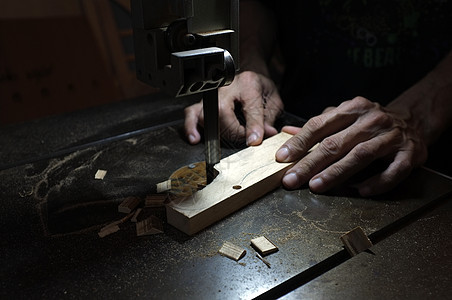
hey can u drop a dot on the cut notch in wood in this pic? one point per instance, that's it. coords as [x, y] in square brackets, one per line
[356, 241]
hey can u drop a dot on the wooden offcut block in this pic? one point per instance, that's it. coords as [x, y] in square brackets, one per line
[107, 230]
[242, 178]
[157, 200]
[100, 174]
[135, 215]
[164, 186]
[356, 241]
[263, 245]
[113, 227]
[232, 251]
[151, 225]
[129, 204]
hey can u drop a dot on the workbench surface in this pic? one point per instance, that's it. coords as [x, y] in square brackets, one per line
[52, 209]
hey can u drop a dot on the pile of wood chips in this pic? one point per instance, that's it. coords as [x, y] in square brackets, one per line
[140, 211]
[182, 183]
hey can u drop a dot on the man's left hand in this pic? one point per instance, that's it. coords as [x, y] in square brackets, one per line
[351, 137]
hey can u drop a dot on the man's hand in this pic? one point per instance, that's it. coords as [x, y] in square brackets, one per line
[351, 137]
[261, 104]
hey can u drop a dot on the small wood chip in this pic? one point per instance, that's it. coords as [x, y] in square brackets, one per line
[151, 225]
[113, 227]
[263, 245]
[100, 174]
[164, 186]
[135, 215]
[107, 230]
[115, 223]
[157, 200]
[356, 241]
[129, 204]
[232, 251]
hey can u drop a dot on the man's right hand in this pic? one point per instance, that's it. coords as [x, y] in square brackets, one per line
[261, 105]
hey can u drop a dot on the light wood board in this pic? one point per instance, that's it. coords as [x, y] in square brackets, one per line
[243, 177]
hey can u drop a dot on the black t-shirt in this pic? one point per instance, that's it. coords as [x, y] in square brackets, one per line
[336, 50]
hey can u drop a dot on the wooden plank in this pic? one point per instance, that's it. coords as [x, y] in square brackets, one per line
[232, 251]
[263, 245]
[243, 177]
[356, 241]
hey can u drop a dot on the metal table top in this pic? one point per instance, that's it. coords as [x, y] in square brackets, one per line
[52, 209]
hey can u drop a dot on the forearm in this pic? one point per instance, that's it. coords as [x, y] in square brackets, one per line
[257, 36]
[428, 104]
